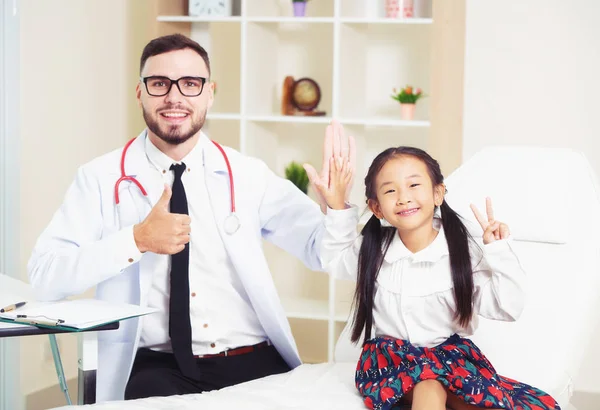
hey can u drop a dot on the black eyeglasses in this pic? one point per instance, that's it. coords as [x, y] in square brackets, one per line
[157, 86]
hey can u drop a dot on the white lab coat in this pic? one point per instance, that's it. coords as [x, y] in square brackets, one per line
[85, 246]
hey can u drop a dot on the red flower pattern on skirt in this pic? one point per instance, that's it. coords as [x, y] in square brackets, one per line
[390, 368]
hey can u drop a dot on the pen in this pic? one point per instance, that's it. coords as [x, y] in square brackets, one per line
[33, 321]
[48, 319]
[12, 307]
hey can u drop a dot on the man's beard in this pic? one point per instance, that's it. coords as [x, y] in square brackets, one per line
[173, 134]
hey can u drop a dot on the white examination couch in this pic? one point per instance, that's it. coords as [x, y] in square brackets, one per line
[549, 199]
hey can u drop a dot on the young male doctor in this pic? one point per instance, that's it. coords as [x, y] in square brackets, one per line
[174, 221]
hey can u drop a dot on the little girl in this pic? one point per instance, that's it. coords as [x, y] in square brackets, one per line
[421, 284]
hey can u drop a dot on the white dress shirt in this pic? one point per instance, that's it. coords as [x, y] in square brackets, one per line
[221, 314]
[414, 297]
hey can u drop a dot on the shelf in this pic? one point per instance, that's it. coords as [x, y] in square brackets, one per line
[277, 19]
[278, 143]
[358, 20]
[394, 56]
[223, 116]
[201, 19]
[367, 122]
[224, 132]
[290, 118]
[311, 338]
[383, 122]
[315, 309]
[299, 20]
[342, 311]
[225, 67]
[306, 308]
[297, 50]
[376, 11]
[285, 8]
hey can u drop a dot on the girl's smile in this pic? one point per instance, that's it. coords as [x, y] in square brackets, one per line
[407, 212]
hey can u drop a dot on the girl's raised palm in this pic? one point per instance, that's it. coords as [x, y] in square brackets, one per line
[492, 230]
[338, 187]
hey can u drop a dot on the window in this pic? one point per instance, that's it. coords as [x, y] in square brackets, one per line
[10, 389]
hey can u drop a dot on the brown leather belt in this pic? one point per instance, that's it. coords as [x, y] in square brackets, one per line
[236, 351]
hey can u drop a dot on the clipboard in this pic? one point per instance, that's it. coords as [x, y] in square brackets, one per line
[67, 315]
[74, 315]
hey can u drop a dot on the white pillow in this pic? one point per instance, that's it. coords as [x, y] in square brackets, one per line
[531, 190]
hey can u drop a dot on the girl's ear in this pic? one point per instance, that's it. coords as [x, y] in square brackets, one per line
[375, 208]
[438, 194]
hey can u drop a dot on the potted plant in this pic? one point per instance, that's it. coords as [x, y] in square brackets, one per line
[296, 173]
[407, 97]
[299, 7]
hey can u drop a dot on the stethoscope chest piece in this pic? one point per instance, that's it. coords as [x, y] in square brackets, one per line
[232, 224]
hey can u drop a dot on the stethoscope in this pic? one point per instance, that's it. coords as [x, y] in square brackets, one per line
[231, 223]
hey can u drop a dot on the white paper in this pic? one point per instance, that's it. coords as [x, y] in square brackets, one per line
[79, 313]
[14, 291]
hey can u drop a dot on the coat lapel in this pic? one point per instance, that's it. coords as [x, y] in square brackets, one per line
[217, 184]
[239, 244]
[138, 166]
[246, 255]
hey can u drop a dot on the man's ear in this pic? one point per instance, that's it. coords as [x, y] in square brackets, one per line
[138, 94]
[438, 194]
[211, 93]
[375, 208]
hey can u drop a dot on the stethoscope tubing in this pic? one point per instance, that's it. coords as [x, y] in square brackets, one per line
[231, 224]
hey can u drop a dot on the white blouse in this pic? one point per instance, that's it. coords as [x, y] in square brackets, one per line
[414, 297]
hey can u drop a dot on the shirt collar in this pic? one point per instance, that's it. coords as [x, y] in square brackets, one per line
[163, 162]
[432, 253]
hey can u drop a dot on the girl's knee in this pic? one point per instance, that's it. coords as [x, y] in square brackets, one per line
[424, 387]
[430, 385]
[430, 388]
[456, 403]
[429, 395]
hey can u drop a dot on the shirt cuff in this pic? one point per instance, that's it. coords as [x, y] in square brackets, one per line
[342, 218]
[498, 247]
[349, 211]
[127, 252]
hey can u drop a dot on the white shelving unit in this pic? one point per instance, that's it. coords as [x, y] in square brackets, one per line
[357, 56]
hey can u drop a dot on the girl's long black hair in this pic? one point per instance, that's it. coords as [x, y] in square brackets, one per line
[377, 239]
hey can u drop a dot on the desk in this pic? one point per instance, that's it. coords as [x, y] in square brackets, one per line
[87, 363]
[22, 330]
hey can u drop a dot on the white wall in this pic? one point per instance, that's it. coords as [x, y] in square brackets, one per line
[531, 74]
[532, 78]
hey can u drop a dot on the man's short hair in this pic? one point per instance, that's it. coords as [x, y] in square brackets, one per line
[169, 43]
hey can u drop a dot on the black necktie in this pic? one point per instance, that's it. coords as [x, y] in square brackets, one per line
[180, 329]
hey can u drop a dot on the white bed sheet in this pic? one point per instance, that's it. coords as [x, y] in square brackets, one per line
[309, 386]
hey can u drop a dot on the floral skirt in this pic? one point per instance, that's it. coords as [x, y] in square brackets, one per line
[389, 368]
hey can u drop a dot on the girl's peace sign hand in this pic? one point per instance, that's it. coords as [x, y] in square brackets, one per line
[492, 229]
